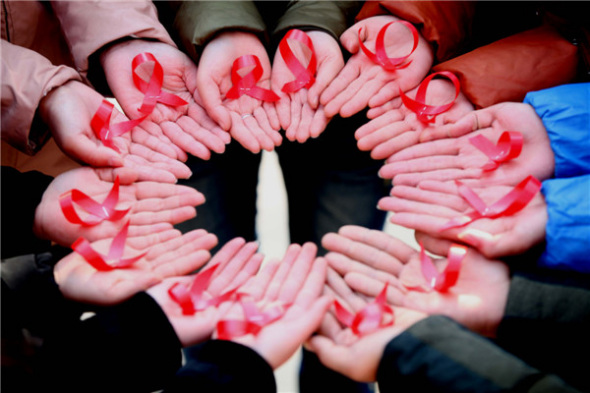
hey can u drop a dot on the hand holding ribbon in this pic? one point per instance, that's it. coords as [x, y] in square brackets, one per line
[252, 122]
[517, 215]
[298, 110]
[164, 96]
[363, 82]
[158, 256]
[476, 299]
[447, 154]
[427, 113]
[149, 206]
[297, 280]
[234, 263]
[398, 128]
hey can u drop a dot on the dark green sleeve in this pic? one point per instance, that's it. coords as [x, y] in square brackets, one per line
[546, 323]
[197, 22]
[333, 17]
[439, 355]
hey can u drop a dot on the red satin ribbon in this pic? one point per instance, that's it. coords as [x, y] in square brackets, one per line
[254, 321]
[509, 204]
[427, 113]
[509, 146]
[152, 89]
[370, 318]
[247, 84]
[98, 212]
[444, 280]
[380, 56]
[82, 247]
[304, 77]
[192, 299]
[105, 131]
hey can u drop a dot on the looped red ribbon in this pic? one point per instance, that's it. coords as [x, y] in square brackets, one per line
[380, 56]
[370, 318]
[82, 247]
[100, 124]
[444, 280]
[152, 89]
[247, 84]
[192, 299]
[427, 113]
[98, 212]
[509, 204]
[254, 321]
[509, 146]
[304, 77]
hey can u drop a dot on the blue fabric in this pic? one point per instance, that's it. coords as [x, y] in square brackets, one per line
[565, 112]
[568, 226]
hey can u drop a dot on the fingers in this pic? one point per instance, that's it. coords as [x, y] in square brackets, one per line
[212, 101]
[465, 125]
[298, 274]
[371, 287]
[86, 150]
[184, 255]
[177, 168]
[229, 269]
[185, 141]
[368, 254]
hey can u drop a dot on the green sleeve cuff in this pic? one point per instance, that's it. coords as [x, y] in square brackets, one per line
[197, 22]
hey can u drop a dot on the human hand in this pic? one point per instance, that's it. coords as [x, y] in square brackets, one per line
[154, 207]
[477, 300]
[399, 128]
[168, 254]
[300, 113]
[251, 122]
[362, 82]
[455, 158]
[237, 262]
[356, 356]
[178, 129]
[428, 207]
[296, 282]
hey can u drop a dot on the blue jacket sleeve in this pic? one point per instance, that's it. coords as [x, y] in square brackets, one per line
[568, 226]
[565, 112]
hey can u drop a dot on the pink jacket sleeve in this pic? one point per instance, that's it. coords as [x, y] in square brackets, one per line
[26, 78]
[88, 26]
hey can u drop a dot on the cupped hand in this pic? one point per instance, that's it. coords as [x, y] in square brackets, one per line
[251, 122]
[431, 205]
[237, 262]
[154, 207]
[399, 128]
[168, 254]
[296, 282]
[179, 129]
[361, 82]
[300, 113]
[454, 157]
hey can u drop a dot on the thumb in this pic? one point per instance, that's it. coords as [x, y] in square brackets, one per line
[213, 104]
[350, 38]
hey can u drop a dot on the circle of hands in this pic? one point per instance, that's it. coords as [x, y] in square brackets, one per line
[422, 160]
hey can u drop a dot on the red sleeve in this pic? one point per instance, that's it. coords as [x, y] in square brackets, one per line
[507, 69]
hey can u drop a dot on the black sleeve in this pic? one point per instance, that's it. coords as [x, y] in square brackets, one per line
[223, 366]
[21, 193]
[439, 355]
[546, 323]
[130, 347]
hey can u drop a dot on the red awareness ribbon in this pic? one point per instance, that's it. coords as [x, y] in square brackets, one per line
[152, 89]
[444, 280]
[100, 124]
[370, 318]
[247, 84]
[98, 212]
[509, 146]
[509, 204]
[254, 321]
[427, 113]
[304, 77]
[380, 56]
[192, 299]
[82, 247]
